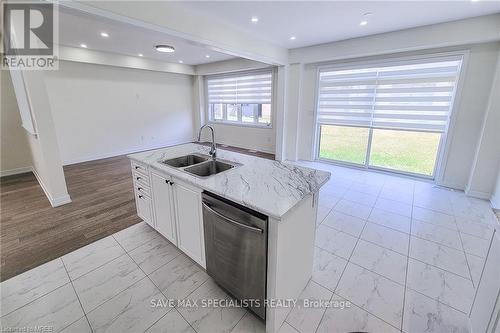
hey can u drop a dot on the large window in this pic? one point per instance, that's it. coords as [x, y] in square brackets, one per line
[390, 115]
[243, 99]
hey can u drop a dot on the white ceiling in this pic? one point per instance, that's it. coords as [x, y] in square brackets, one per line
[77, 28]
[327, 21]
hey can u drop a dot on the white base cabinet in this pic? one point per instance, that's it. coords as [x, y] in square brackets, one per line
[163, 206]
[190, 235]
[173, 208]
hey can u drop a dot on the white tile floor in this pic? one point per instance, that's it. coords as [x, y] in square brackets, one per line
[405, 255]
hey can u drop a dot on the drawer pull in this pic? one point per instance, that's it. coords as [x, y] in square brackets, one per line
[171, 183]
[137, 167]
[141, 196]
[167, 181]
[139, 188]
[138, 178]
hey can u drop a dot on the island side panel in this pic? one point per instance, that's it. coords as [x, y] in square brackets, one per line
[290, 257]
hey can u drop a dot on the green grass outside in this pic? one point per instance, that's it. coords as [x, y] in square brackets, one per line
[399, 150]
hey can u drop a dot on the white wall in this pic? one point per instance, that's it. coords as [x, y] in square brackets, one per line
[102, 111]
[261, 139]
[487, 158]
[14, 149]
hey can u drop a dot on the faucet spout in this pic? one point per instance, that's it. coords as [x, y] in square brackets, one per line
[213, 148]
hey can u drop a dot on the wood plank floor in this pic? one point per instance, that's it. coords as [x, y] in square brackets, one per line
[32, 232]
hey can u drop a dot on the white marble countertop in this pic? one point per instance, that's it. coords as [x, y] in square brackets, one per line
[267, 186]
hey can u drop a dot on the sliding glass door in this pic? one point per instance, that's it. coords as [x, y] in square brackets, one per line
[390, 116]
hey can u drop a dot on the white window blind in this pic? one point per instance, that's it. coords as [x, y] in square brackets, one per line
[240, 89]
[415, 95]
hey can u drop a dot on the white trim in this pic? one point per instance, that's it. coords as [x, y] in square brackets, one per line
[478, 194]
[94, 157]
[54, 202]
[75, 54]
[16, 171]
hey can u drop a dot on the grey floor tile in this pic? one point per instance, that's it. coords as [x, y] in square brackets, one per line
[372, 292]
[107, 281]
[327, 268]
[154, 254]
[179, 277]
[172, 322]
[131, 310]
[380, 260]
[28, 286]
[386, 237]
[135, 235]
[346, 223]
[92, 256]
[56, 310]
[334, 241]
[250, 324]
[440, 285]
[210, 319]
[423, 314]
[351, 318]
[79, 326]
[305, 317]
[439, 255]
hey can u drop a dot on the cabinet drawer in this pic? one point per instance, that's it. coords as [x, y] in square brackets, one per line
[139, 167]
[142, 189]
[139, 177]
[144, 208]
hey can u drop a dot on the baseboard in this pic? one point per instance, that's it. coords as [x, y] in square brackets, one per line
[54, 202]
[16, 171]
[122, 152]
[454, 186]
[478, 194]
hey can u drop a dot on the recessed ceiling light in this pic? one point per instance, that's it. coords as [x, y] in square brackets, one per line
[104, 34]
[165, 48]
[255, 19]
[181, 62]
[207, 56]
[362, 23]
[293, 38]
[83, 45]
[141, 55]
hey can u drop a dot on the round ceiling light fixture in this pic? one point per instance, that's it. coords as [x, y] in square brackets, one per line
[165, 48]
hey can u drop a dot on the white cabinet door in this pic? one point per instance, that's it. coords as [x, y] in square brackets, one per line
[189, 222]
[163, 206]
[143, 204]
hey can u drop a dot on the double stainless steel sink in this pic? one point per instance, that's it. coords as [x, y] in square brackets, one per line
[200, 165]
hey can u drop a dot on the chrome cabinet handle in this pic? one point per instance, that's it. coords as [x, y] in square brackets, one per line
[227, 219]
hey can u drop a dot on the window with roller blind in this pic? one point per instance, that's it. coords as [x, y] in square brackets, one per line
[241, 98]
[390, 115]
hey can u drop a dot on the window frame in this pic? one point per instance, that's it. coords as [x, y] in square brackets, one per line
[239, 122]
[394, 60]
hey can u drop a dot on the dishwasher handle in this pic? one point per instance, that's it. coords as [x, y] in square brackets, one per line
[227, 219]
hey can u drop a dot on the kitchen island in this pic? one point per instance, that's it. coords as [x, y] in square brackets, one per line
[170, 200]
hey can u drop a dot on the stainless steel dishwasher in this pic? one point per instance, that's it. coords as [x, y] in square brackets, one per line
[236, 249]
